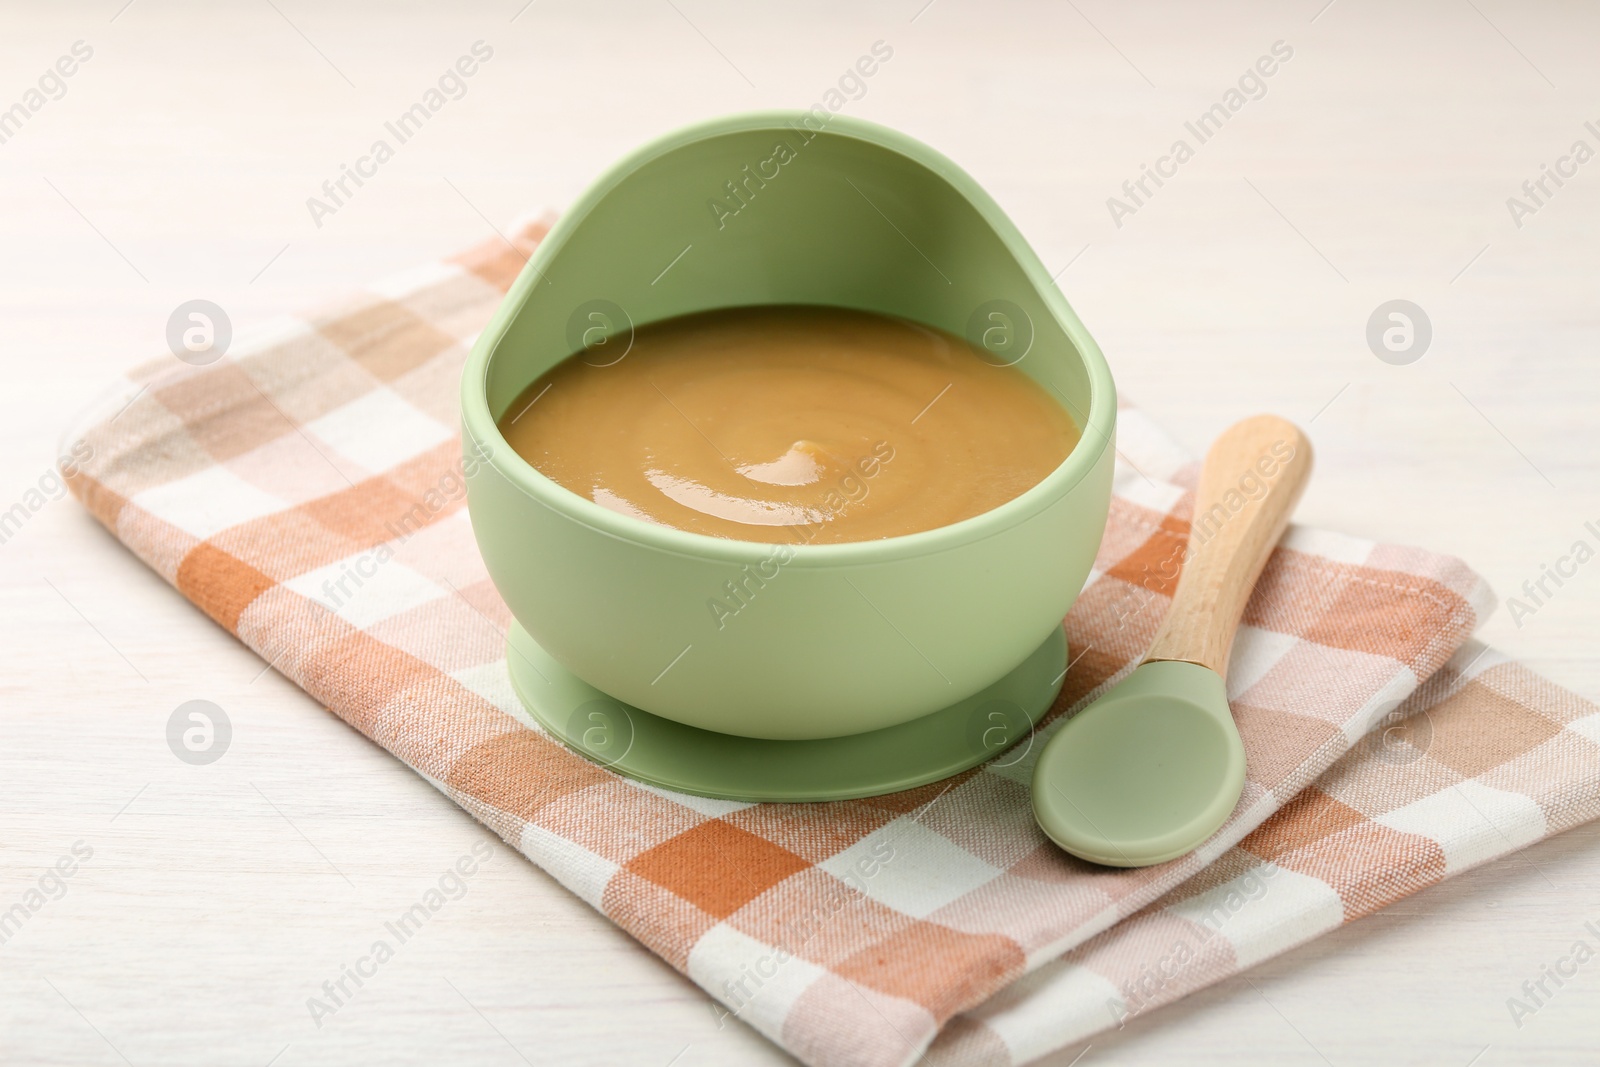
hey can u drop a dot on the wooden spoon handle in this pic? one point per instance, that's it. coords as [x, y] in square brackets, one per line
[1252, 478]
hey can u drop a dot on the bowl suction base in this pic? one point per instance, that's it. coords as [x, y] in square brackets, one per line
[669, 754]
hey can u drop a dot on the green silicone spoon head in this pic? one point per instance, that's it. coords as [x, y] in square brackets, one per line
[1144, 774]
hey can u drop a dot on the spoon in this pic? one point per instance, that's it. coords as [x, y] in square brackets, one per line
[1150, 770]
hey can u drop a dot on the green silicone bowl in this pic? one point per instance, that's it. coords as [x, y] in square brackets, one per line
[838, 639]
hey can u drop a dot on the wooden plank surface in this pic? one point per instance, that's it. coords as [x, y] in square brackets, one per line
[176, 163]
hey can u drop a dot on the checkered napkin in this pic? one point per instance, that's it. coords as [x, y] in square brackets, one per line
[306, 494]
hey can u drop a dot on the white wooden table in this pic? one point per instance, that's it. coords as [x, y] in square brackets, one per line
[177, 164]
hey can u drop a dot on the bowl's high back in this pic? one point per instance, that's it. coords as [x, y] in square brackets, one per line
[768, 209]
[784, 208]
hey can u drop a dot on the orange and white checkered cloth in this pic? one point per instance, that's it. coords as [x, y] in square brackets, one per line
[305, 493]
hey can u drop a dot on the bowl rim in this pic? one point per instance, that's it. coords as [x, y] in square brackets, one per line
[1096, 429]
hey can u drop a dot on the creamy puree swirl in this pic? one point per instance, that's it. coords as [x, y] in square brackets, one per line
[791, 424]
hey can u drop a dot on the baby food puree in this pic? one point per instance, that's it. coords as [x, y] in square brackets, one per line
[790, 424]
